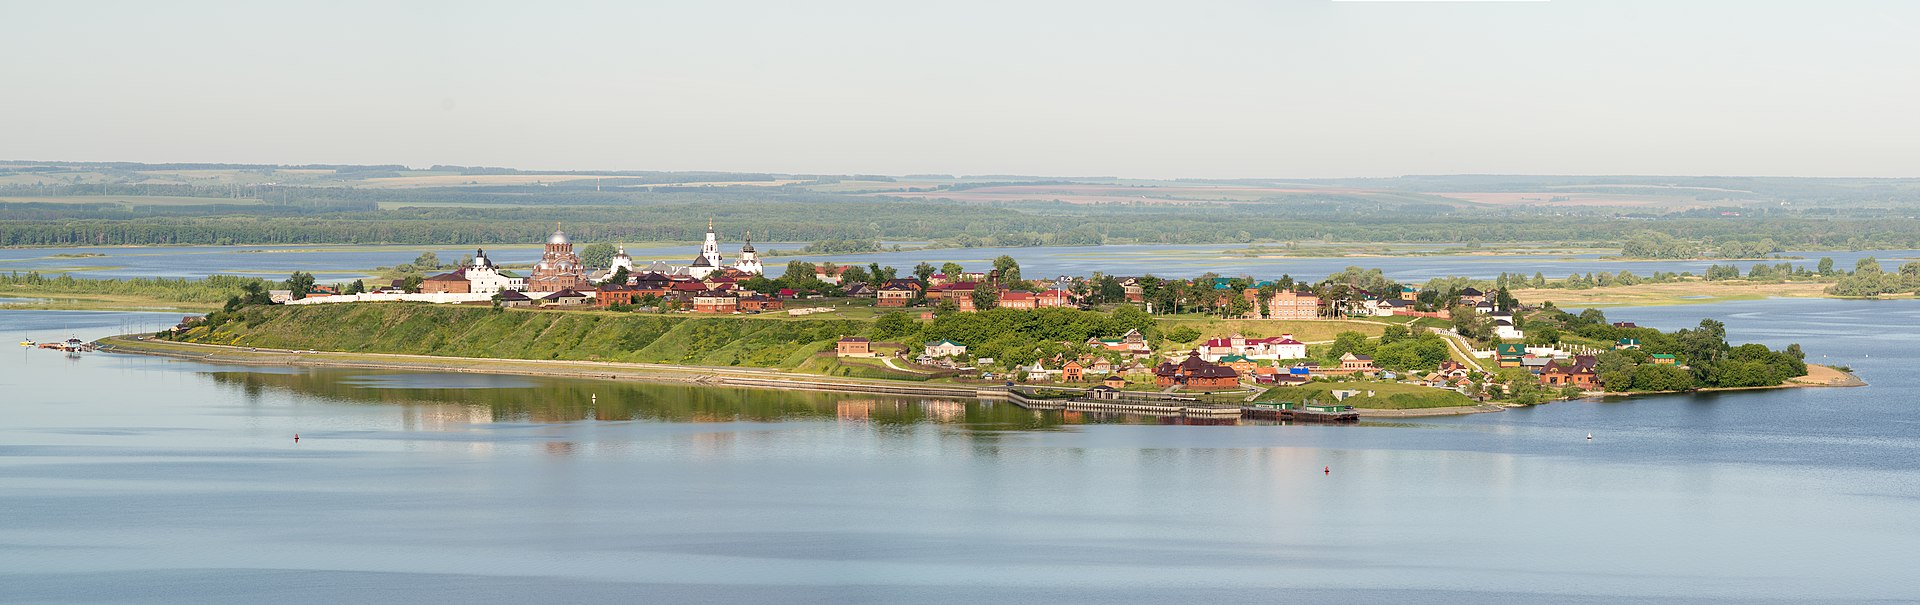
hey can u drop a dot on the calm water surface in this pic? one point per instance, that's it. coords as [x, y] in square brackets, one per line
[335, 263]
[146, 480]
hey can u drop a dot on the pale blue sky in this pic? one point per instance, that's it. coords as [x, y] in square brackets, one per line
[1274, 88]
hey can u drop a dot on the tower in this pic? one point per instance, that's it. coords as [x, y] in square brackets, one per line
[749, 260]
[709, 259]
[559, 268]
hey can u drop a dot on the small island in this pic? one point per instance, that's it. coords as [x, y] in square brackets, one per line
[1353, 342]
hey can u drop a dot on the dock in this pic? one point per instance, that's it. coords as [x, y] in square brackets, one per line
[1143, 404]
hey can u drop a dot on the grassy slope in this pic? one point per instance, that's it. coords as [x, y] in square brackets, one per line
[1304, 331]
[1387, 395]
[517, 334]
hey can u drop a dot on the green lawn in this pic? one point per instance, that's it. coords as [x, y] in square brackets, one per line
[1386, 395]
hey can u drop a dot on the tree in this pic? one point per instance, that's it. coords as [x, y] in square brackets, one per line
[619, 278]
[1183, 334]
[1867, 266]
[597, 255]
[1652, 377]
[1009, 270]
[952, 270]
[1349, 342]
[412, 283]
[1107, 289]
[922, 271]
[1826, 266]
[301, 284]
[893, 325]
[427, 261]
[254, 293]
[800, 274]
[356, 287]
[985, 297]
[1394, 333]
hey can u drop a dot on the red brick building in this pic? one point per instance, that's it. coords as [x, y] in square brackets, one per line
[854, 346]
[1195, 373]
[716, 303]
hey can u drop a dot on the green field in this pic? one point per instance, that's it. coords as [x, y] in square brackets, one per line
[474, 331]
[1386, 395]
[130, 200]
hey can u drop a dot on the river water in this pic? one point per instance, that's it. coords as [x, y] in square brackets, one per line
[148, 480]
[338, 263]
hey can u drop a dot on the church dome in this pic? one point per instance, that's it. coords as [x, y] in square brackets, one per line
[559, 237]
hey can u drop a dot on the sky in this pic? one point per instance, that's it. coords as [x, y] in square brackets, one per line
[1166, 89]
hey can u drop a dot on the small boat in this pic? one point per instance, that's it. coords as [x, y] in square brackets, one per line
[1589, 436]
[28, 343]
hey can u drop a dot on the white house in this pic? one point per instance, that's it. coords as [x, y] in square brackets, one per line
[945, 348]
[1503, 328]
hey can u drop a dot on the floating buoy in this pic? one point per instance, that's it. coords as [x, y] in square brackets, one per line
[1329, 470]
[296, 437]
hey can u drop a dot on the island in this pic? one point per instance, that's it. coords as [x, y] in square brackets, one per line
[1351, 344]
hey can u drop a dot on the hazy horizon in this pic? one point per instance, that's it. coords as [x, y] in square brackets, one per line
[1287, 89]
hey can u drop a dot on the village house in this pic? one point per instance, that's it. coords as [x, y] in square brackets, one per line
[566, 297]
[759, 302]
[830, 274]
[1292, 305]
[1274, 348]
[1073, 372]
[1471, 296]
[514, 298]
[1626, 343]
[715, 302]
[1356, 362]
[1131, 343]
[1114, 381]
[945, 348]
[854, 346]
[1051, 298]
[1017, 300]
[446, 283]
[1508, 354]
[1195, 373]
[1664, 359]
[1504, 328]
[894, 296]
[1579, 372]
[1240, 363]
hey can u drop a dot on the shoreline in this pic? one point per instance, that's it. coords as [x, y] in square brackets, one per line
[769, 378]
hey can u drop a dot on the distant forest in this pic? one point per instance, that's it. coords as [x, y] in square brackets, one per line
[37, 209]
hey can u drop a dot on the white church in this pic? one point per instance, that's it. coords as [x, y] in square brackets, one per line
[706, 263]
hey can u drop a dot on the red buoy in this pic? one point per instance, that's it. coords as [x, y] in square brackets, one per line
[296, 437]
[1329, 469]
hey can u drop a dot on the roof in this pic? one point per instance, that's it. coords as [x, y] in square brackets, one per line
[854, 339]
[559, 237]
[1357, 357]
[1662, 356]
[454, 276]
[944, 343]
[513, 295]
[1510, 347]
[566, 293]
[1234, 358]
[1101, 389]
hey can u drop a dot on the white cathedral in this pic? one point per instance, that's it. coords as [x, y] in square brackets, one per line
[706, 263]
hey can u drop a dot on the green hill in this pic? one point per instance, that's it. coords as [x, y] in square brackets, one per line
[464, 331]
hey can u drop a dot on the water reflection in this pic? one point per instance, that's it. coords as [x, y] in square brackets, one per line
[443, 402]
